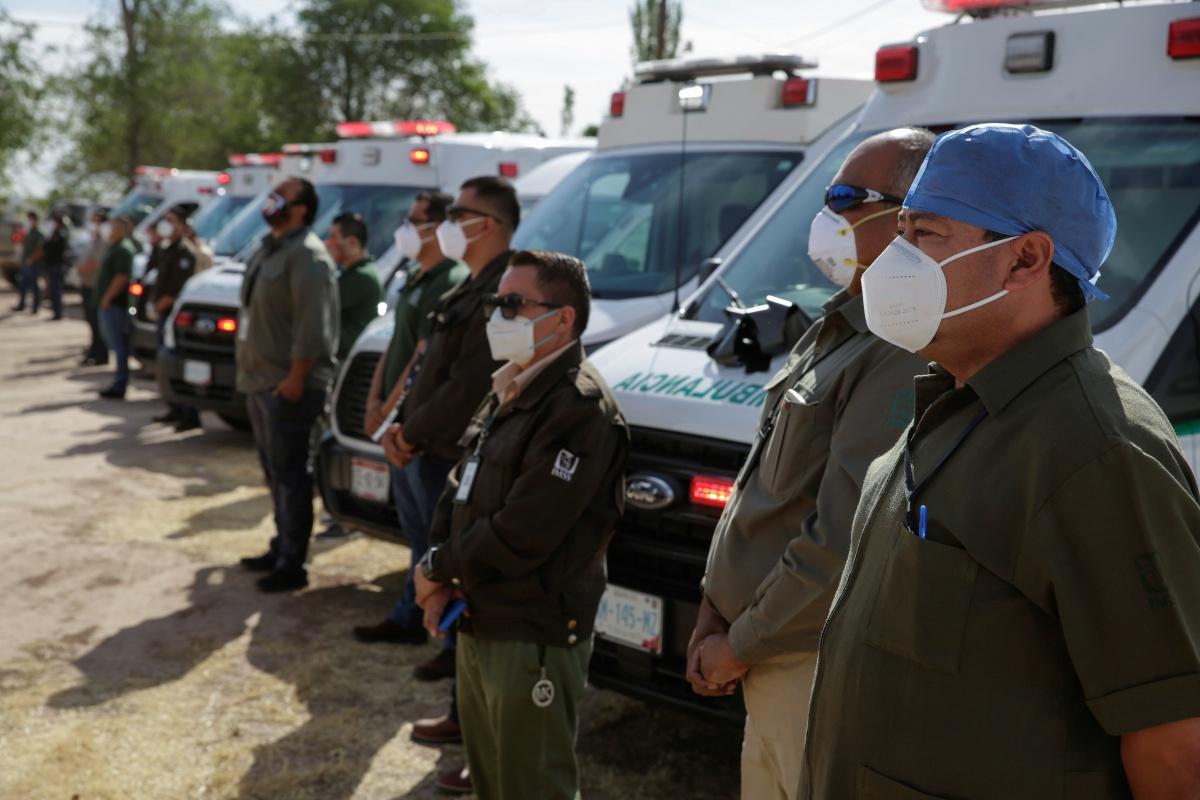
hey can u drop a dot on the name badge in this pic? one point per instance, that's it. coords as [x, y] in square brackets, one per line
[467, 481]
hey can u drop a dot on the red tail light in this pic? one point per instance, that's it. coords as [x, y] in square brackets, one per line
[508, 169]
[18, 235]
[137, 290]
[711, 491]
[798, 92]
[419, 155]
[184, 319]
[227, 325]
[616, 106]
[1183, 38]
[897, 63]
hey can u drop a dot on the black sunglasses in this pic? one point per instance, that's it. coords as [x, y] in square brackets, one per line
[843, 197]
[510, 304]
[455, 213]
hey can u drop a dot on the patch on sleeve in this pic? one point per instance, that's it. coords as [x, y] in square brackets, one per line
[1152, 581]
[565, 464]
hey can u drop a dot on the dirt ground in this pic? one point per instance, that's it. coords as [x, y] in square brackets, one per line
[138, 661]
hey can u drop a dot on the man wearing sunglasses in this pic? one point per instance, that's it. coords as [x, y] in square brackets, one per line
[843, 399]
[430, 275]
[452, 375]
[521, 532]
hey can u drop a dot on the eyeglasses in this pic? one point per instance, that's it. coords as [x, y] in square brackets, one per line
[455, 213]
[843, 197]
[510, 304]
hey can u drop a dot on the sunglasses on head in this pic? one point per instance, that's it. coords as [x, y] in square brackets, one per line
[843, 197]
[510, 304]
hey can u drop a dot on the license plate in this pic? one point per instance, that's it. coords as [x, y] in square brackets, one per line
[369, 480]
[631, 618]
[198, 373]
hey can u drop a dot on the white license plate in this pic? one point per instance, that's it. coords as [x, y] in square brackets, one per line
[631, 618]
[369, 479]
[198, 373]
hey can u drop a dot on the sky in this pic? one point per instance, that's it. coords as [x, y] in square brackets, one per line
[539, 47]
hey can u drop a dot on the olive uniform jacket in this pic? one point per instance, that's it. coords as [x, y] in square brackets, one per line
[525, 538]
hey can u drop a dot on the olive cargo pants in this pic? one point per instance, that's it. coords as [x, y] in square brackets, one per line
[777, 695]
[516, 750]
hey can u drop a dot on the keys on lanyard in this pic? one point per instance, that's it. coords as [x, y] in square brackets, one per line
[543, 690]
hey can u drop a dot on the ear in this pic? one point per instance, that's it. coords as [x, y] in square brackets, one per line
[1035, 254]
[567, 318]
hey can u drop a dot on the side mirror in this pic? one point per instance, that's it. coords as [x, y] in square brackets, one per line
[753, 336]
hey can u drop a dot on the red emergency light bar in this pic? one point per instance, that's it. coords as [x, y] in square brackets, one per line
[158, 171]
[896, 63]
[710, 491]
[1183, 38]
[401, 127]
[255, 159]
[328, 155]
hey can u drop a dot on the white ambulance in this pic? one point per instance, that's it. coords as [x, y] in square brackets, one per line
[156, 189]
[375, 169]
[685, 156]
[1120, 83]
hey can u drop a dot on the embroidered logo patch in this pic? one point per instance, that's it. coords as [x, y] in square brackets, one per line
[565, 465]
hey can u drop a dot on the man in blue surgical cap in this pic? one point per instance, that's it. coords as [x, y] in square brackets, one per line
[1020, 613]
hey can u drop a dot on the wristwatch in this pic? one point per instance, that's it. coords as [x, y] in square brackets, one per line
[426, 564]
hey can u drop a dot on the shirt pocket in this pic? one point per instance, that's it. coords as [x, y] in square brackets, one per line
[924, 599]
[874, 786]
[799, 440]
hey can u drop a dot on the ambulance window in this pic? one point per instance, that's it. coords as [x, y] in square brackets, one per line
[621, 214]
[383, 208]
[246, 226]
[775, 261]
[137, 205]
[1151, 169]
[217, 215]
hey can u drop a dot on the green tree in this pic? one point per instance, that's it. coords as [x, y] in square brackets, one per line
[656, 25]
[403, 59]
[21, 91]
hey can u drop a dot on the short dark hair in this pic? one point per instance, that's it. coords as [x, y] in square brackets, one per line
[436, 204]
[562, 279]
[100, 214]
[183, 212]
[307, 198]
[500, 194]
[126, 219]
[32, 213]
[351, 224]
[1064, 287]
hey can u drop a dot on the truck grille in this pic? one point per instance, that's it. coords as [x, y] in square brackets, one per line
[351, 406]
[215, 346]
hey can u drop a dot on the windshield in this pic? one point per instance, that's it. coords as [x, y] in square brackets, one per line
[246, 226]
[137, 205]
[216, 215]
[1150, 167]
[383, 208]
[620, 214]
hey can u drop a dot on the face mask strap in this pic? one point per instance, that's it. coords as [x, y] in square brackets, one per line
[869, 217]
[975, 305]
[975, 249]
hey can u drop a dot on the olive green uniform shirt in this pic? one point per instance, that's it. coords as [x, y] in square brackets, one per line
[841, 401]
[34, 239]
[1052, 607]
[175, 264]
[414, 315]
[359, 293]
[289, 313]
[118, 260]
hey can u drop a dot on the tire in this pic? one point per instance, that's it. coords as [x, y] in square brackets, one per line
[235, 422]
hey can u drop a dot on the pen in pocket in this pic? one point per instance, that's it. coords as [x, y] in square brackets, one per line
[922, 521]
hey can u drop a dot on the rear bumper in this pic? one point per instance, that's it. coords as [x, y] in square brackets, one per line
[350, 511]
[220, 395]
[144, 341]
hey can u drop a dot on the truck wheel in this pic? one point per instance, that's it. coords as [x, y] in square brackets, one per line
[235, 422]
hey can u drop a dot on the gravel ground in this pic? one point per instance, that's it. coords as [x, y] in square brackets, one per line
[138, 661]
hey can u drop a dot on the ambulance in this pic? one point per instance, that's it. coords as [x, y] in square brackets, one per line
[249, 176]
[375, 169]
[157, 189]
[683, 159]
[1121, 83]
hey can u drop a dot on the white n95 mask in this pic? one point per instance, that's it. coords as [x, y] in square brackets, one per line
[165, 229]
[832, 247]
[409, 240]
[453, 240]
[512, 339]
[904, 294]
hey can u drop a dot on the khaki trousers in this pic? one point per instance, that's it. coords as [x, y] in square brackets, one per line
[777, 694]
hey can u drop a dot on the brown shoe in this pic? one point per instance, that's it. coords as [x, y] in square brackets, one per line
[456, 781]
[441, 730]
[437, 668]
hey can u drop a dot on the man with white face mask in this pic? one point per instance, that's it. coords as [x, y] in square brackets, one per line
[174, 259]
[777, 552]
[521, 531]
[451, 376]
[1020, 615]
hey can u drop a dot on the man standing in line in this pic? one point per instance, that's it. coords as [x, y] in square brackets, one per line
[96, 353]
[286, 340]
[175, 259]
[112, 289]
[54, 259]
[31, 260]
[841, 401]
[359, 291]
[1019, 615]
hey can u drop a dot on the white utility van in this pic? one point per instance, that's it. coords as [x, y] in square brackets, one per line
[685, 156]
[1121, 83]
[375, 169]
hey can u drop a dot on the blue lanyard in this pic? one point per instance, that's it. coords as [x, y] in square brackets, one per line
[911, 487]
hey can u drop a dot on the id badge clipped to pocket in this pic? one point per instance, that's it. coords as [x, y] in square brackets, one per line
[467, 481]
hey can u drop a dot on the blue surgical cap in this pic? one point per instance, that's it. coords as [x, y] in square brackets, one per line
[1013, 179]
